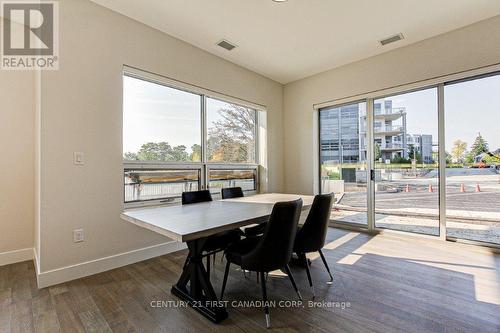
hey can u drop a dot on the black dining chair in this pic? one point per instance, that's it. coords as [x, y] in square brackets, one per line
[219, 241]
[237, 192]
[312, 234]
[271, 251]
[196, 197]
[232, 192]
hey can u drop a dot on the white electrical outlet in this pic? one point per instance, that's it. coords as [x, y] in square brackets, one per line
[78, 236]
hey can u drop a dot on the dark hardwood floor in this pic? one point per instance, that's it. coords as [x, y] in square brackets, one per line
[386, 283]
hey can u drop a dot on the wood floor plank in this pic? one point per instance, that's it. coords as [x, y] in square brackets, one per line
[69, 321]
[47, 322]
[392, 283]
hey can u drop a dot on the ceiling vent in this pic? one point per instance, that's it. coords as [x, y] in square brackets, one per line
[392, 39]
[226, 45]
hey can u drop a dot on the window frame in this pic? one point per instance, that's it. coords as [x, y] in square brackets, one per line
[204, 166]
[438, 83]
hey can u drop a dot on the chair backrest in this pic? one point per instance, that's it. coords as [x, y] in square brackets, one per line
[196, 197]
[311, 237]
[274, 250]
[232, 192]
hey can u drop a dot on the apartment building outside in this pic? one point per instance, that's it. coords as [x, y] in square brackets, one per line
[343, 134]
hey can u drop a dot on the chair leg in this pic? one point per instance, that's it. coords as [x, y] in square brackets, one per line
[226, 273]
[264, 298]
[292, 280]
[306, 263]
[326, 265]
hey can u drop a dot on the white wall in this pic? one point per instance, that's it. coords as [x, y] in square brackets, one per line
[473, 46]
[16, 166]
[81, 110]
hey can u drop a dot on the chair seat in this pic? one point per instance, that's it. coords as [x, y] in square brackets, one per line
[221, 240]
[236, 251]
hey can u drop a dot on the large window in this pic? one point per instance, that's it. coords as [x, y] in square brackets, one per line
[153, 184]
[473, 159]
[176, 140]
[432, 155]
[222, 178]
[405, 140]
[231, 132]
[160, 123]
[343, 160]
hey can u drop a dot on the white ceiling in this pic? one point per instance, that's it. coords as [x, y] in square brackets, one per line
[291, 40]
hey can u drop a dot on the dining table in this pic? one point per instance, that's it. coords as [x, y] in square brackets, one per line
[193, 224]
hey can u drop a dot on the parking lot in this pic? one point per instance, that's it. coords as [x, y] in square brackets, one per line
[472, 203]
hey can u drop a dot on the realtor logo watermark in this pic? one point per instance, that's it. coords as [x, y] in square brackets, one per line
[30, 35]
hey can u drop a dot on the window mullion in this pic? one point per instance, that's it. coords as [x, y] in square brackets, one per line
[204, 158]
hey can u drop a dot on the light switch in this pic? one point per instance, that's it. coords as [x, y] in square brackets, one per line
[78, 158]
[78, 236]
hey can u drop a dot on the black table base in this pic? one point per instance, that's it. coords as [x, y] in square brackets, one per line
[200, 294]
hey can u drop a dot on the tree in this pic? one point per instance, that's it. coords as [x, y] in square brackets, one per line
[447, 157]
[196, 153]
[378, 153]
[459, 150]
[129, 156]
[413, 154]
[178, 153]
[158, 151]
[232, 137]
[479, 146]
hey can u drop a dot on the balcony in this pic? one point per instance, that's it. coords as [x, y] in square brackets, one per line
[391, 114]
[392, 147]
[388, 130]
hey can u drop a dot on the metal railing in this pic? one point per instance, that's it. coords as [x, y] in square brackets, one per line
[395, 128]
[163, 190]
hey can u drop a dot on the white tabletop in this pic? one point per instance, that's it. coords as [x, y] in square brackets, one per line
[189, 222]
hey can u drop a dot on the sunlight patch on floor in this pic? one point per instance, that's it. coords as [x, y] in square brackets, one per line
[350, 259]
[340, 241]
[484, 273]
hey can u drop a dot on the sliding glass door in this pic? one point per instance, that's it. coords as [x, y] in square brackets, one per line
[472, 111]
[425, 161]
[343, 161]
[405, 131]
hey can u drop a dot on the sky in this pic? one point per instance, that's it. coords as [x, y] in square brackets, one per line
[470, 107]
[155, 113]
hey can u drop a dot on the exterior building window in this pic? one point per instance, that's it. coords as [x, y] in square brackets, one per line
[165, 152]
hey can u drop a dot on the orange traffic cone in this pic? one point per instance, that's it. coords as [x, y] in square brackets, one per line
[430, 188]
[478, 189]
[462, 188]
[407, 188]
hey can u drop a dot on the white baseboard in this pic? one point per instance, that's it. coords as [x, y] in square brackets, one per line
[12, 257]
[68, 273]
